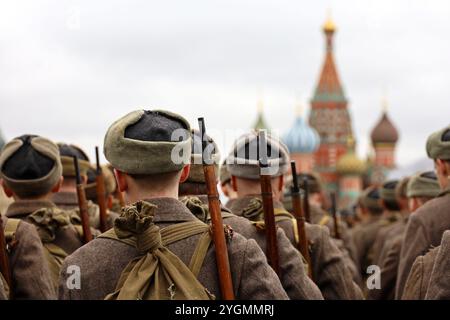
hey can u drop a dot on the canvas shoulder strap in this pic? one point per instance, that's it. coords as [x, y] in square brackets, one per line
[283, 215]
[324, 221]
[11, 228]
[175, 233]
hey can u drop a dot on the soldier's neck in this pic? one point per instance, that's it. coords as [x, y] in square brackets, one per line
[137, 195]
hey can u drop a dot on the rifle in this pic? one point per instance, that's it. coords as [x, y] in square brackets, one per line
[306, 200]
[337, 233]
[101, 195]
[82, 204]
[303, 245]
[218, 233]
[267, 198]
[4, 260]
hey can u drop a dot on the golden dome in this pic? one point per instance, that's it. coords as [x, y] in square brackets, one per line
[349, 163]
[329, 26]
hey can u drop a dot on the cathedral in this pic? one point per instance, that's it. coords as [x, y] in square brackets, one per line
[325, 142]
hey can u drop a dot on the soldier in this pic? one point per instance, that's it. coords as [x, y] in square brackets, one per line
[193, 193]
[150, 151]
[391, 215]
[365, 233]
[427, 224]
[330, 272]
[225, 183]
[110, 188]
[31, 172]
[321, 217]
[67, 199]
[395, 224]
[439, 287]
[419, 189]
[318, 215]
[29, 271]
[422, 188]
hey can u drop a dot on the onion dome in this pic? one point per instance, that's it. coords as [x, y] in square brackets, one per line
[260, 123]
[350, 164]
[301, 138]
[384, 131]
[329, 26]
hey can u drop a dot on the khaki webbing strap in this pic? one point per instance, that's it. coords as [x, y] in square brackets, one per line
[279, 212]
[111, 234]
[11, 228]
[180, 231]
[324, 220]
[283, 215]
[174, 233]
[79, 230]
[295, 226]
[55, 256]
[200, 253]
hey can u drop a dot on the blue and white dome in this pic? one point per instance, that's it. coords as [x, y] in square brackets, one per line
[301, 138]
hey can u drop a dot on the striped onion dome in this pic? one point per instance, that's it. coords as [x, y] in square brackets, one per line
[301, 138]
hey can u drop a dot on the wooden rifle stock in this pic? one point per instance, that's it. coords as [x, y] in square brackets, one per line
[4, 260]
[218, 233]
[337, 232]
[101, 194]
[306, 200]
[267, 199]
[82, 204]
[303, 245]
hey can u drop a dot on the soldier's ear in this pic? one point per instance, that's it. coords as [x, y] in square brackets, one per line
[234, 183]
[7, 190]
[122, 183]
[185, 173]
[58, 185]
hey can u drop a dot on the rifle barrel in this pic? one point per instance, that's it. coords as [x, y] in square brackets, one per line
[303, 245]
[101, 194]
[82, 204]
[337, 232]
[218, 233]
[267, 198]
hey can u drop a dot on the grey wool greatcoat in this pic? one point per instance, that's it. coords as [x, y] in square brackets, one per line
[292, 268]
[424, 231]
[102, 261]
[31, 277]
[330, 272]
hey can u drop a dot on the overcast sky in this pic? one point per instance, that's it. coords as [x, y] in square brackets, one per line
[69, 68]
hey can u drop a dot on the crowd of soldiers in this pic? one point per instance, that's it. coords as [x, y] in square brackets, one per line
[152, 232]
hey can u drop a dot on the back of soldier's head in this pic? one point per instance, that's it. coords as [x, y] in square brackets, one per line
[30, 166]
[370, 200]
[313, 181]
[195, 183]
[388, 195]
[243, 161]
[67, 153]
[438, 145]
[423, 185]
[149, 144]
